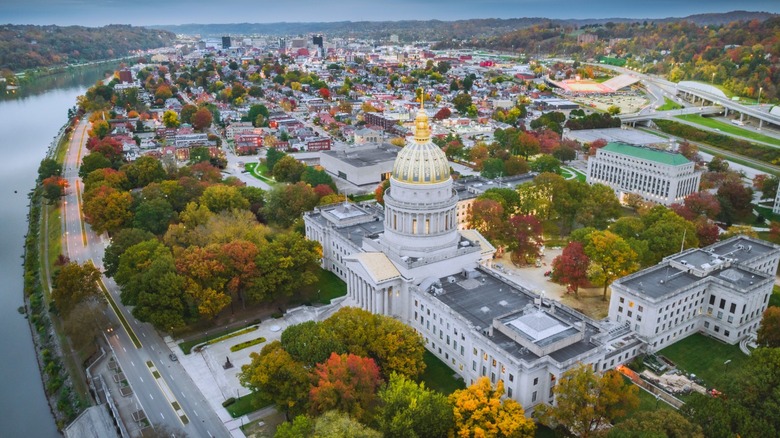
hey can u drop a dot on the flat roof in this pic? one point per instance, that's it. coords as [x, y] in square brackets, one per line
[365, 156]
[481, 300]
[630, 136]
[645, 153]
[660, 281]
[742, 248]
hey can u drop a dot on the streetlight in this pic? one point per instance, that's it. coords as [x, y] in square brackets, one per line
[760, 89]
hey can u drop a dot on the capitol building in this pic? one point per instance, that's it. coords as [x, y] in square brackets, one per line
[410, 261]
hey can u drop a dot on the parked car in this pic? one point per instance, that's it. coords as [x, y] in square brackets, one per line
[173, 357]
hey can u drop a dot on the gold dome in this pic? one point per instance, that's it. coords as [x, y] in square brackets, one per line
[421, 162]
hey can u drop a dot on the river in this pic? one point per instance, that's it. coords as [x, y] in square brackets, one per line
[29, 119]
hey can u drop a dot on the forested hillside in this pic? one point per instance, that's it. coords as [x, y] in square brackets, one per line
[24, 47]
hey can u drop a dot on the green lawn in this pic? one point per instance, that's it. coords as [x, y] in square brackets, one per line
[668, 105]
[706, 357]
[249, 403]
[186, 346]
[774, 300]
[259, 171]
[567, 173]
[729, 128]
[361, 198]
[329, 286]
[647, 403]
[767, 213]
[439, 376]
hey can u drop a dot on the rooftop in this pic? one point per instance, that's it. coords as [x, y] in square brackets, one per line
[645, 153]
[366, 156]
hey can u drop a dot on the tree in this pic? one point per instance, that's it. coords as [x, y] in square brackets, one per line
[186, 113]
[739, 230]
[278, 375]
[202, 119]
[347, 383]
[525, 144]
[315, 177]
[525, 238]
[171, 119]
[585, 401]
[221, 197]
[310, 343]
[613, 110]
[462, 102]
[334, 424]
[717, 164]
[108, 209]
[286, 264]
[288, 169]
[92, 162]
[480, 412]
[84, 323]
[49, 167]
[442, 114]
[571, 267]
[301, 426]
[54, 188]
[163, 92]
[149, 281]
[599, 207]
[493, 168]
[143, 171]
[74, 284]
[611, 258]
[410, 410]
[515, 165]
[698, 204]
[663, 423]
[286, 203]
[272, 157]
[689, 151]
[379, 191]
[664, 233]
[769, 330]
[564, 153]
[120, 241]
[153, 215]
[546, 163]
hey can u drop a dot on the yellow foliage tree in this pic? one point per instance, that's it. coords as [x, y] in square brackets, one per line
[480, 413]
[611, 257]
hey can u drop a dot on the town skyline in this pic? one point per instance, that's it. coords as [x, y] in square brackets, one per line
[99, 13]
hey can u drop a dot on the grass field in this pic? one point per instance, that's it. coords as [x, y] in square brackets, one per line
[249, 403]
[259, 171]
[707, 358]
[570, 173]
[729, 128]
[327, 287]
[668, 105]
[439, 376]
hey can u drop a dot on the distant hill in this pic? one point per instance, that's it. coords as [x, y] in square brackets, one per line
[25, 46]
[412, 30]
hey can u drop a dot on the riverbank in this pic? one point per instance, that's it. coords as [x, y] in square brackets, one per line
[58, 379]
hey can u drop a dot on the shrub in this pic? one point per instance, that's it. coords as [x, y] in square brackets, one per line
[228, 402]
[247, 344]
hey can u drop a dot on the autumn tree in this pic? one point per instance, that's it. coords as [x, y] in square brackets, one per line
[54, 188]
[153, 215]
[735, 202]
[525, 238]
[186, 113]
[277, 374]
[410, 410]
[335, 424]
[487, 216]
[611, 258]
[221, 197]
[85, 323]
[769, 330]
[666, 233]
[286, 203]
[347, 383]
[202, 119]
[143, 171]
[480, 412]
[49, 167]
[585, 401]
[74, 284]
[288, 169]
[571, 267]
[462, 102]
[698, 204]
[284, 265]
[108, 209]
[92, 162]
[171, 119]
[599, 208]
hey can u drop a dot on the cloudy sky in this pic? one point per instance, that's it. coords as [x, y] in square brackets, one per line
[141, 12]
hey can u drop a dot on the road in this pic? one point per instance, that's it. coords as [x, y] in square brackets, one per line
[82, 245]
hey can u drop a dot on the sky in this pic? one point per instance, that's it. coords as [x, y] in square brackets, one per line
[154, 12]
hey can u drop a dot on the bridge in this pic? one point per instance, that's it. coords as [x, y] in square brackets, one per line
[706, 93]
[650, 114]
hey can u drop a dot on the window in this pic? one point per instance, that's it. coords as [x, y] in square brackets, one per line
[620, 309]
[474, 365]
[712, 299]
[536, 381]
[722, 304]
[720, 314]
[511, 377]
[630, 313]
[621, 299]
[727, 333]
[706, 324]
[509, 392]
[533, 397]
[475, 351]
[733, 308]
[639, 309]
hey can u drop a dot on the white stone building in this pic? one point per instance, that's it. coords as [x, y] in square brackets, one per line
[410, 261]
[656, 175]
[721, 290]
[366, 164]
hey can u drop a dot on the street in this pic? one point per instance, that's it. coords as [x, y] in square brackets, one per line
[82, 245]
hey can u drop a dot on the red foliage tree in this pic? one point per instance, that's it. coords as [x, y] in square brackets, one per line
[442, 114]
[707, 231]
[702, 204]
[323, 190]
[596, 145]
[325, 93]
[202, 119]
[345, 382]
[379, 191]
[525, 238]
[548, 140]
[571, 267]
